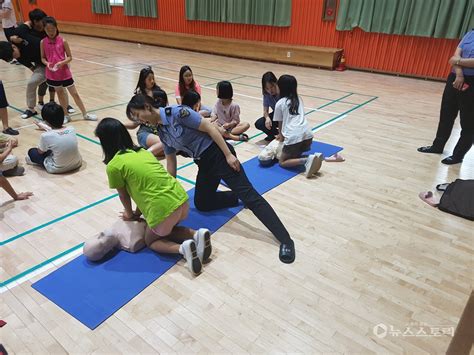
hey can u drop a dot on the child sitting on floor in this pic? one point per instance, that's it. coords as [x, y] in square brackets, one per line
[226, 114]
[58, 150]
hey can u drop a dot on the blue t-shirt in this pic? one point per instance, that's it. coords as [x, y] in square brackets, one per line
[179, 131]
[270, 101]
[467, 46]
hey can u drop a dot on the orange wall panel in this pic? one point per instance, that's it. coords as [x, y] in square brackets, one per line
[406, 55]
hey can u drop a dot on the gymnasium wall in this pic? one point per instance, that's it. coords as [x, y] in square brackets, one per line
[407, 55]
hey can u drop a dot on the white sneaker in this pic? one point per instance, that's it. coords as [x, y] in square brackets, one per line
[67, 119]
[70, 109]
[313, 164]
[202, 237]
[90, 117]
[188, 250]
[29, 162]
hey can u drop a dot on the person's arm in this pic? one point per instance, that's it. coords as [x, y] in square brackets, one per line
[454, 61]
[43, 57]
[9, 189]
[131, 125]
[171, 163]
[127, 214]
[466, 62]
[279, 137]
[68, 58]
[214, 133]
[6, 152]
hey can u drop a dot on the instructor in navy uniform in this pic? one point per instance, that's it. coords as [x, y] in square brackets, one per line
[182, 129]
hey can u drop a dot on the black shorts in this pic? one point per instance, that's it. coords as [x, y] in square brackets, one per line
[64, 83]
[297, 149]
[3, 97]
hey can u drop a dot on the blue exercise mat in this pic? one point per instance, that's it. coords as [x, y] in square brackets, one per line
[92, 292]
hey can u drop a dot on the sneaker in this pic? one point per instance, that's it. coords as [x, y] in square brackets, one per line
[70, 109]
[189, 252]
[11, 131]
[40, 105]
[29, 162]
[16, 171]
[313, 164]
[28, 113]
[90, 117]
[430, 149]
[202, 237]
[67, 119]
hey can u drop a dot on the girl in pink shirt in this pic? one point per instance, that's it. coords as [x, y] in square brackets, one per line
[187, 83]
[226, 114]
[56, 55]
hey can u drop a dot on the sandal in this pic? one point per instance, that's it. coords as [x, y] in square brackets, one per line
[429, 198]
[243, 137]
[442, 187]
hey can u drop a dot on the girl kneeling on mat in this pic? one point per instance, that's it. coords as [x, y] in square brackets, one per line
[183, 129]
[138, 176]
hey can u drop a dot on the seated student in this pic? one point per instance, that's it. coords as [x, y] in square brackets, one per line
[271, 95]
[147, 136]
[187, 82]
[9, 162]
[182, 129]
[138, 176]
[226, 114]
[4, 113]
[58, 151]
[294, 131]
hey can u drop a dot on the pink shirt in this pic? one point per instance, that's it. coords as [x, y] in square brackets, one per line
[226, 113]
[54, 52]
[197, 88]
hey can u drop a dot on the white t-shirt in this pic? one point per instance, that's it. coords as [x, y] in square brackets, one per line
[295, 128]
[65, 151]
[9, 21]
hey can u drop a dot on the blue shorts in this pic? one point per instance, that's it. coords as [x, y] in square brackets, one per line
[142, 137]
[3, 97]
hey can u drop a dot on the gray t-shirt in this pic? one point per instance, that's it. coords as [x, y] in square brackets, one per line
[65, 154]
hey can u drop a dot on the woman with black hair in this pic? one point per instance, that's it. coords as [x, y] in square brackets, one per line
[182, 129]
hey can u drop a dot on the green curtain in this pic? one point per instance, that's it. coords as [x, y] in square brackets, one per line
[427, 18]
[144, 8]
[256, 12]
[101, 7]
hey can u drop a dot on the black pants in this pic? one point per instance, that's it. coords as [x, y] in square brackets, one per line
[43, 88]
[212, 168]
[455, 101]
[260, 125]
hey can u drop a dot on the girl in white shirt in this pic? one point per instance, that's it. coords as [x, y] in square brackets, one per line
[294, 130]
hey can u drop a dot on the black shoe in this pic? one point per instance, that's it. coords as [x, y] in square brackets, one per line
[287, 252]
[28, 114]
[451, 160]
[11, 131]
[429, 149]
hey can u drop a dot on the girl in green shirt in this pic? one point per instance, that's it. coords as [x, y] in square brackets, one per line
[138, 176]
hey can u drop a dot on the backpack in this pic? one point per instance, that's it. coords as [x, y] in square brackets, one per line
[458, 199]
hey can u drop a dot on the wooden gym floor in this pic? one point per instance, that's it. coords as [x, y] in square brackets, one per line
[369, 251]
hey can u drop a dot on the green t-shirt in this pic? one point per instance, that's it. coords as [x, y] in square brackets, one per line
[156, 193]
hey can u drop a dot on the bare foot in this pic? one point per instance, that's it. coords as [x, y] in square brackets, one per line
[429, 198]
[336, 158]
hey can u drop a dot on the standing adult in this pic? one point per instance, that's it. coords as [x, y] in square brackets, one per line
[458, 97]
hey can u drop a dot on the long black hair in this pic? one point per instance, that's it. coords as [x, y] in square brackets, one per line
[114, 138]
[268, 77]
[288, 88]
[141, 85]
[182, 85]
